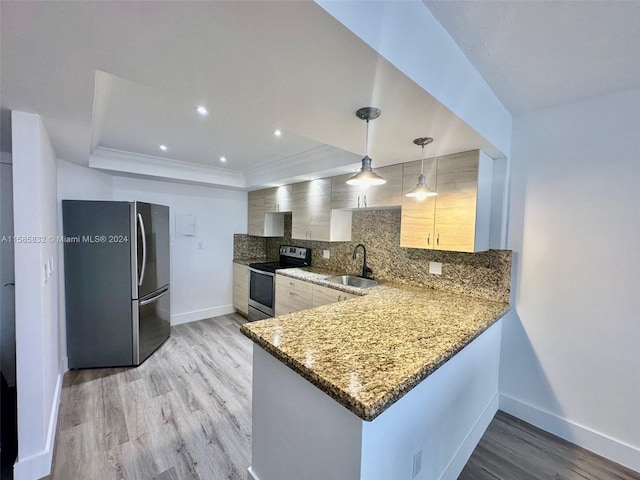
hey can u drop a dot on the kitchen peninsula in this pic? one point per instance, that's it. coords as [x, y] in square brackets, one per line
[398, 383]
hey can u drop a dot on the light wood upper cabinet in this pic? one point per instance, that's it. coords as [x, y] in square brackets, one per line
[388, 194]
[457, 203]
[241, 288]
[278, 199]
[312, 215]
[457, 219]
[256, 213]
[263, 223]
[418, 216]
[344, 196]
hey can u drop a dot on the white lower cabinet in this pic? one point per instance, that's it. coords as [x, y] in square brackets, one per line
[293, 295]
[241, 288]
[325, 295]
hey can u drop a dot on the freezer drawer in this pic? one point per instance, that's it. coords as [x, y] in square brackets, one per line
[153, 323]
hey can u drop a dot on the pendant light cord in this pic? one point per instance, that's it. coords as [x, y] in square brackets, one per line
[366, 140]
[422, 164]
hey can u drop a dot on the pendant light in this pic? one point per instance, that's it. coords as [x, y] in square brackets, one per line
[421, 191]
[366, 176]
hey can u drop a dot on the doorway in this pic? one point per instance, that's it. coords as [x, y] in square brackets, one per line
[8, 400]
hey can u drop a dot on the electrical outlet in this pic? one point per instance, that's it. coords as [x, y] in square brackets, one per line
[417, 462]
[325, 254]
[435, 268]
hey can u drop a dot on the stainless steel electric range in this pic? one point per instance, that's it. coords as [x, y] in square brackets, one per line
[262, 285]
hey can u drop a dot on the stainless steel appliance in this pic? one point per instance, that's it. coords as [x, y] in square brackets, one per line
[262, 285]
[116, 260]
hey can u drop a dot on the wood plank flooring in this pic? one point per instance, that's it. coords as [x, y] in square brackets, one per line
[511, 449]
[185, 414]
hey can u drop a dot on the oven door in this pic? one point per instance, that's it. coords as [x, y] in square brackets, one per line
[261, 290]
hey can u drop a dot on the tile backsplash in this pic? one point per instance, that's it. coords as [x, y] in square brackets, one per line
[485, 274]
[247, 246]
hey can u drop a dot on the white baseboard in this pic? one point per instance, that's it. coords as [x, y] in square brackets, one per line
[39, 465]
[461, 457]
[251, 475]
[64, 364]
[201, 314]
[599, 443]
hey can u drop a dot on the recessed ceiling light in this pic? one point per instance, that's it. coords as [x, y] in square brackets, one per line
[277, 133]
[223, 159]
[202, 110]
[163, 148]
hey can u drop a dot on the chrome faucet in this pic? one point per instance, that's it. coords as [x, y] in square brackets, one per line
[366, 271]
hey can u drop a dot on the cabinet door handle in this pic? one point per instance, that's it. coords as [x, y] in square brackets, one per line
[428, 239]
[365, 201]
[338, 297]
[358, 201]
[438, 240]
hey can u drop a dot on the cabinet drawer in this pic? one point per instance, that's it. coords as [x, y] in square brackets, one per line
[298, 286]
[292, 295]
[291, 303]
[325, 295]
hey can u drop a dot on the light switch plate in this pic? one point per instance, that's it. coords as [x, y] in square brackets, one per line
[326, 254]
[435, 268]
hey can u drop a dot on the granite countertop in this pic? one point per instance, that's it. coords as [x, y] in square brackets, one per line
[367, 352]
[247, 261]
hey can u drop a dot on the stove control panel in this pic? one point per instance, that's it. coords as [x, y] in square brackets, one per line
[293, 252]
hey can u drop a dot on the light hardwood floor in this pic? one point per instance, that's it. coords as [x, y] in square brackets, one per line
[511, 449]
[185, 414]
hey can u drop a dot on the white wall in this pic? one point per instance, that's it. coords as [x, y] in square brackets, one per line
[570, 361]
[201, 285]
[201, 266]
[409, 36]
[7, 297]
[38, 364]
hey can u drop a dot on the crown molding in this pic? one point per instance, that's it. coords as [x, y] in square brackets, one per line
[154, 167]
[318, 162]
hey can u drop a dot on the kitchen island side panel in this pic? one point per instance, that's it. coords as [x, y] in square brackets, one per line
[297, 430]
[97, 263]
[301, 432]
[444, 417]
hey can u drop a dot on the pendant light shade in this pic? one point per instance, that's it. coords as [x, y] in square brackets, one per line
[366, 176]
[421, 190]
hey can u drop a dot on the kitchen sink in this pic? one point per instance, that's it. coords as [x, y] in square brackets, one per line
[352, 281]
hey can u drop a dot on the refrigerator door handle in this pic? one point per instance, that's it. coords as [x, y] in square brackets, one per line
[147, 301]
[144, 249]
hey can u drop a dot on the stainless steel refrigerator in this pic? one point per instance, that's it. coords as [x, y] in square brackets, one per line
[116, 262]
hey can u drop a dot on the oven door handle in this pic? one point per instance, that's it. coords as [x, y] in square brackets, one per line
[262, 272]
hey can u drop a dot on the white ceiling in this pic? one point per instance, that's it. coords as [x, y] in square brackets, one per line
[539, 54]
[257, 66]
[127, 76]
